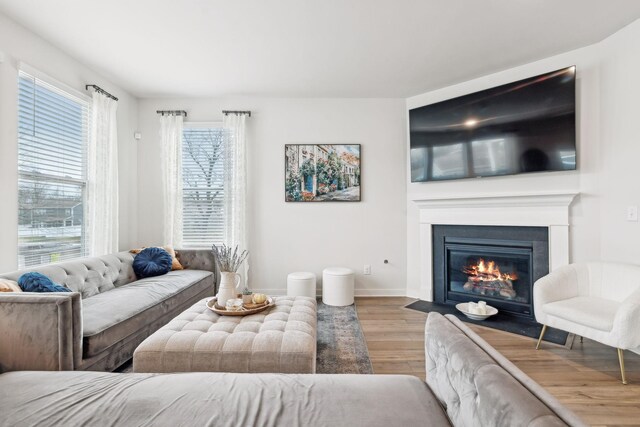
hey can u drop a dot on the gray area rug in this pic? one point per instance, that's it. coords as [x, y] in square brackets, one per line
[342, 348]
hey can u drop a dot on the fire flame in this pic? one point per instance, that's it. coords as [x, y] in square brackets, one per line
[487, 272]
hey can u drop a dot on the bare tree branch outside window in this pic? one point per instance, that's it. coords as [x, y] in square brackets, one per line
[203, 191]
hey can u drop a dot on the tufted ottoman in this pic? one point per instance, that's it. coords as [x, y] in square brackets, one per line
[280, 339]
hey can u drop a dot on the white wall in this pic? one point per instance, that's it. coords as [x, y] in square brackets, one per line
[620, 144]
[608, 175]
[287, 237]
[20, 45]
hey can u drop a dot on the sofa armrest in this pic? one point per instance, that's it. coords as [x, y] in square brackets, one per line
[470, 378]
[40, 331]
[625, 324]
[197, 259]
[558, 285]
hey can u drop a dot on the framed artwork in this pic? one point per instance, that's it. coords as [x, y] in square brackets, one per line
[322, 172]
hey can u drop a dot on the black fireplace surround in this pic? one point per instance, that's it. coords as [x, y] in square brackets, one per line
[496, 264]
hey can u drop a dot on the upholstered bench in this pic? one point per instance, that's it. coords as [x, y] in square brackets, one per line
[280, 339]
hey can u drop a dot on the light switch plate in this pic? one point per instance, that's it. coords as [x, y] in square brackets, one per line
[632, 213]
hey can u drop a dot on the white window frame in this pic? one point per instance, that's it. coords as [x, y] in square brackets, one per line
[81, 98]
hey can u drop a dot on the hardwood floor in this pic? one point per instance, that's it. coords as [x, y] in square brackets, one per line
[585, 379]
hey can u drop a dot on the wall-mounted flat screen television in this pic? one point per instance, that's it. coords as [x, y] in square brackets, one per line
[525, 126]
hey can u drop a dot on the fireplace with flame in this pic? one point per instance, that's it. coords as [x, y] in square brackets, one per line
[494, 264]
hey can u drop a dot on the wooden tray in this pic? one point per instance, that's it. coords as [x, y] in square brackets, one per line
[211, 304]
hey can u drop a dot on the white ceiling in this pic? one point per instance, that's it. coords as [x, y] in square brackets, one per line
[313, 48]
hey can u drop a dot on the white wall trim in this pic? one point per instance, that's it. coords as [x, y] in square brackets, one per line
[562, 199]
[550, 209]
[381, 292]
[412, 293]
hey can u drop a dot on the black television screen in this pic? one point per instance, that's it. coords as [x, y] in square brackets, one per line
[525, 126]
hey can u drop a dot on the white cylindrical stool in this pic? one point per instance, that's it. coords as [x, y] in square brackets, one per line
[301, 284]
[337, 286]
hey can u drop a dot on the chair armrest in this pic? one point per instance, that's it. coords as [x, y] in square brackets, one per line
[625, 324]
[558, 285]
[40, 331]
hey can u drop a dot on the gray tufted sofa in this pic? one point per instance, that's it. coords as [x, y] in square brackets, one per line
[99, 325]
[468, 384]
[478, 386]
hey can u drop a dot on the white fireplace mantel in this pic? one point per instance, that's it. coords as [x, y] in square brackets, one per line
[523, 209]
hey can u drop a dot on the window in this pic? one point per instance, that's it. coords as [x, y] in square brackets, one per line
[52, 140]
[203, 177]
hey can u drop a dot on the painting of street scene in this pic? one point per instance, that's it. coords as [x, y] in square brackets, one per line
[322, 173]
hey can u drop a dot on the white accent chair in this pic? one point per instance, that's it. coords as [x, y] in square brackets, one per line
[599, 301]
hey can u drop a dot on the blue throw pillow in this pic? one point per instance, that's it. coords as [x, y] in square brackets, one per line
[36, 282]
[152, 262]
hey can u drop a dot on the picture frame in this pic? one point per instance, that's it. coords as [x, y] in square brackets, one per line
[322, 172]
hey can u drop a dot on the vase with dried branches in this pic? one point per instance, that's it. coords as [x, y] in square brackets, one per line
[228, 260]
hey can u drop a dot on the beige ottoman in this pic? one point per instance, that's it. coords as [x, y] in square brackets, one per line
[280, 339]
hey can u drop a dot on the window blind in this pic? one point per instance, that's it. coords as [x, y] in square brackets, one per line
[52, 139]
[203, 176]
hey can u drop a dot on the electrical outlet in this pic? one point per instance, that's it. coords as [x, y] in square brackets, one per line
[632, 213]
[367, 269]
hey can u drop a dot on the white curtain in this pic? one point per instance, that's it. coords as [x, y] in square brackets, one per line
[102, 178]
[236, 186]
[171, 169]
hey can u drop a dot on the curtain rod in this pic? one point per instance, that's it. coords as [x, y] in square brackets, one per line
[225, 112]
[172, 112]
[100, 90]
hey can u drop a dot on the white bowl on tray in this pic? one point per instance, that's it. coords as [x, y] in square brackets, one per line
[463, 308]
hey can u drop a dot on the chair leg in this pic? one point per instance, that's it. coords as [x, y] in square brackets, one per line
[571, 338]
[581, 340]
[544, 329]
[621, 360]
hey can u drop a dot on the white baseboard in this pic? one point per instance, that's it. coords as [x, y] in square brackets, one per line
[381, 292]
[413, 293]
[358, 292]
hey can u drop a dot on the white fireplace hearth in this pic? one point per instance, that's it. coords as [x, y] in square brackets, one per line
[549, 210]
